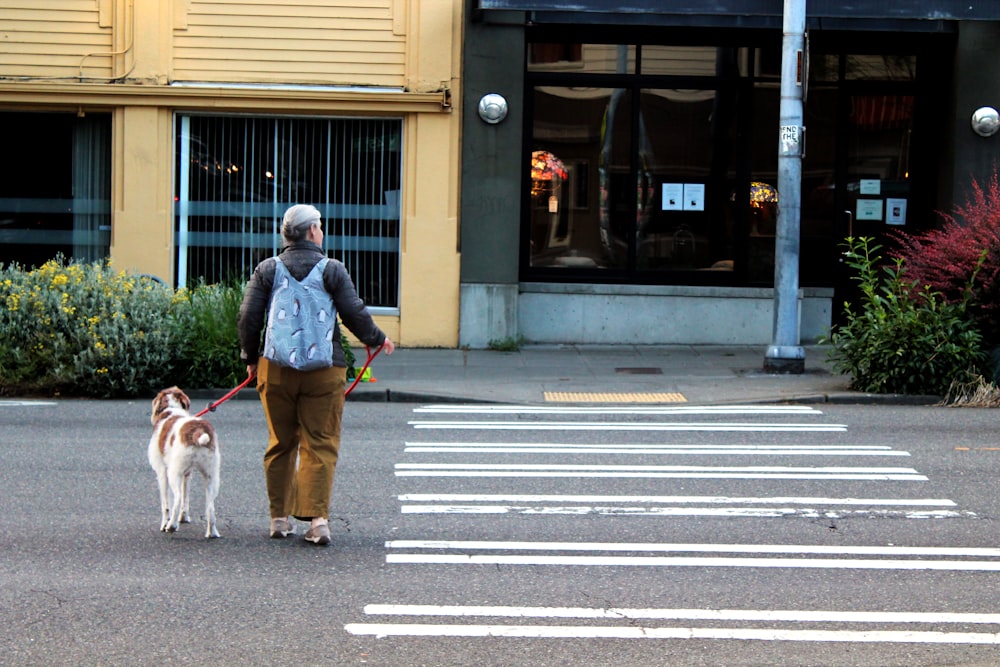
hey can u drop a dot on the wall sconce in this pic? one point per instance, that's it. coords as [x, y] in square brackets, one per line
[493, 108]
[985, 121]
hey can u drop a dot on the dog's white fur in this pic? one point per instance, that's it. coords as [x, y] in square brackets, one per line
[181, 444]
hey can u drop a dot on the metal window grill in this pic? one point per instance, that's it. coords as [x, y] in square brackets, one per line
[236, 175]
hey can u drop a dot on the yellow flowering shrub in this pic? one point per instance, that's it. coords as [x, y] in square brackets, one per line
[83, 329]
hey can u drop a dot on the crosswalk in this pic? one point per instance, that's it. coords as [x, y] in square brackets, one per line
[469, 457]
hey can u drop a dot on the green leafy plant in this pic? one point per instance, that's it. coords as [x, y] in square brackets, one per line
[79, 329]
[211, 350]
[85, 329]
[901, 338]
[349, 357]
[509, 344]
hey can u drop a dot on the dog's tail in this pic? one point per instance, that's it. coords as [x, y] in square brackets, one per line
[198, 433]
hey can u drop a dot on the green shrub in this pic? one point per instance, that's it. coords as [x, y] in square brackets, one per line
[901, 338]
[84, 329]
[211, 350]
[78, 329]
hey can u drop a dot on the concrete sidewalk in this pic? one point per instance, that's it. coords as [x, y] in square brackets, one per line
[584, 374]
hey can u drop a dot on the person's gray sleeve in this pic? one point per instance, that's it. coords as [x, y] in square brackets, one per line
[351, 309]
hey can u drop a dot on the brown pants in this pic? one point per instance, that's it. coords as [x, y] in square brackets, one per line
[303, 411]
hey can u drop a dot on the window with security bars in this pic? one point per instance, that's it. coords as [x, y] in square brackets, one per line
[236, 175]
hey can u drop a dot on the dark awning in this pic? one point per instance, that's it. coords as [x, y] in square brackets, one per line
[937, 10]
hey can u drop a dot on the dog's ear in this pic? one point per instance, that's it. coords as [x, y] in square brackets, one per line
[182, 398]
[159, 405]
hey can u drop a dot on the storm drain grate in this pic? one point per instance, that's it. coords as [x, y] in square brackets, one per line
[642, 370]
[620, 397]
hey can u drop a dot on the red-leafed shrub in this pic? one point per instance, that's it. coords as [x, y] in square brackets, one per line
[946, 259]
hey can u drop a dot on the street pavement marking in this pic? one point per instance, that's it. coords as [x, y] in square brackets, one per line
[614, 397]
[646, 449]
[680, 561]
[627, 614]
[24, 404]
[672, 506]
[621, 409]
[627, 426]
[895, 557]
[634, 624]
[727, 512]
[588, 632]
[663, 547]
[654, 472]
[765, 500]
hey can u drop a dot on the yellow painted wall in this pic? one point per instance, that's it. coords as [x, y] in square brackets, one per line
[142, 191]
[134, 49]
[56, 38]
[334, 42]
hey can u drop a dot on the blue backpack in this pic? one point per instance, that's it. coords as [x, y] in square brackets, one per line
[300, 320]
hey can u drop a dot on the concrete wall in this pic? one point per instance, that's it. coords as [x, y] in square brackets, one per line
[660, 315]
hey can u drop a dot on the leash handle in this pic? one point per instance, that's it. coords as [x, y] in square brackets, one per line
[371, 356]
[212, 406]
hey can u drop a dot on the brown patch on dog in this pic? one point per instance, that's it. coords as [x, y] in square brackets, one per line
[165, 429]
[197, 433]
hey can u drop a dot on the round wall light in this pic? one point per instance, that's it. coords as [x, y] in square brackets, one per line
[985, 121]
[493, 108]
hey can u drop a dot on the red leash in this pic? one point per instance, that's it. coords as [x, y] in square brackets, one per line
[212, 406]
[371, 356]
[361, 373]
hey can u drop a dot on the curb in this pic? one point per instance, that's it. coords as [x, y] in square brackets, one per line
[395, 396]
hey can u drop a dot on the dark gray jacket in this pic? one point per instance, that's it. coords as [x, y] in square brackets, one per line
[300, 257]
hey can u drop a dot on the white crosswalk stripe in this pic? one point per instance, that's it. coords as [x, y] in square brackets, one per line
[647, 449]
[639, 624]
[747, 555]
[744, 427]
[620, 410]
[657, 472]
[675, 506]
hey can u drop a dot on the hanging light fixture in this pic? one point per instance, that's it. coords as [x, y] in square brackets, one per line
[545, 168]
[762, 193]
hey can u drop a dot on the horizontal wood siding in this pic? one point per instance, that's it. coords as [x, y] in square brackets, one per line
[343, 42]
[52, 39]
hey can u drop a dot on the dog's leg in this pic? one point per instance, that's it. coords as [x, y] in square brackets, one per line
[177, 487]
[211, 491]
[186, 492]
[161, 480]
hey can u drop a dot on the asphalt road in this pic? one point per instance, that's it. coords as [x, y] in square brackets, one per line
[843, 536]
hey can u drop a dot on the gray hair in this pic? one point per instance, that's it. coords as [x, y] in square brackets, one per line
[297, 221]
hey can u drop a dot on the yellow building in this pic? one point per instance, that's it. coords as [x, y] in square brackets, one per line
[172, 134]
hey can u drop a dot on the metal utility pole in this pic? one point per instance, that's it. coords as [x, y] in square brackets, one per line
[785, 354]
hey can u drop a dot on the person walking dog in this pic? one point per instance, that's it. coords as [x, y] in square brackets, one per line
[295, 298]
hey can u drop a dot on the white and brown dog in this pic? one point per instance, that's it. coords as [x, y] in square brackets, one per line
[180, 445]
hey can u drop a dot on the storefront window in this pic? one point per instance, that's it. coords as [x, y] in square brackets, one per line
[643, 175]
[579, 172]
[55, 187]
[237, 175]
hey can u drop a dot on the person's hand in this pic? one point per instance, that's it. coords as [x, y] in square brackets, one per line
[388, 346]
[251, 370]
